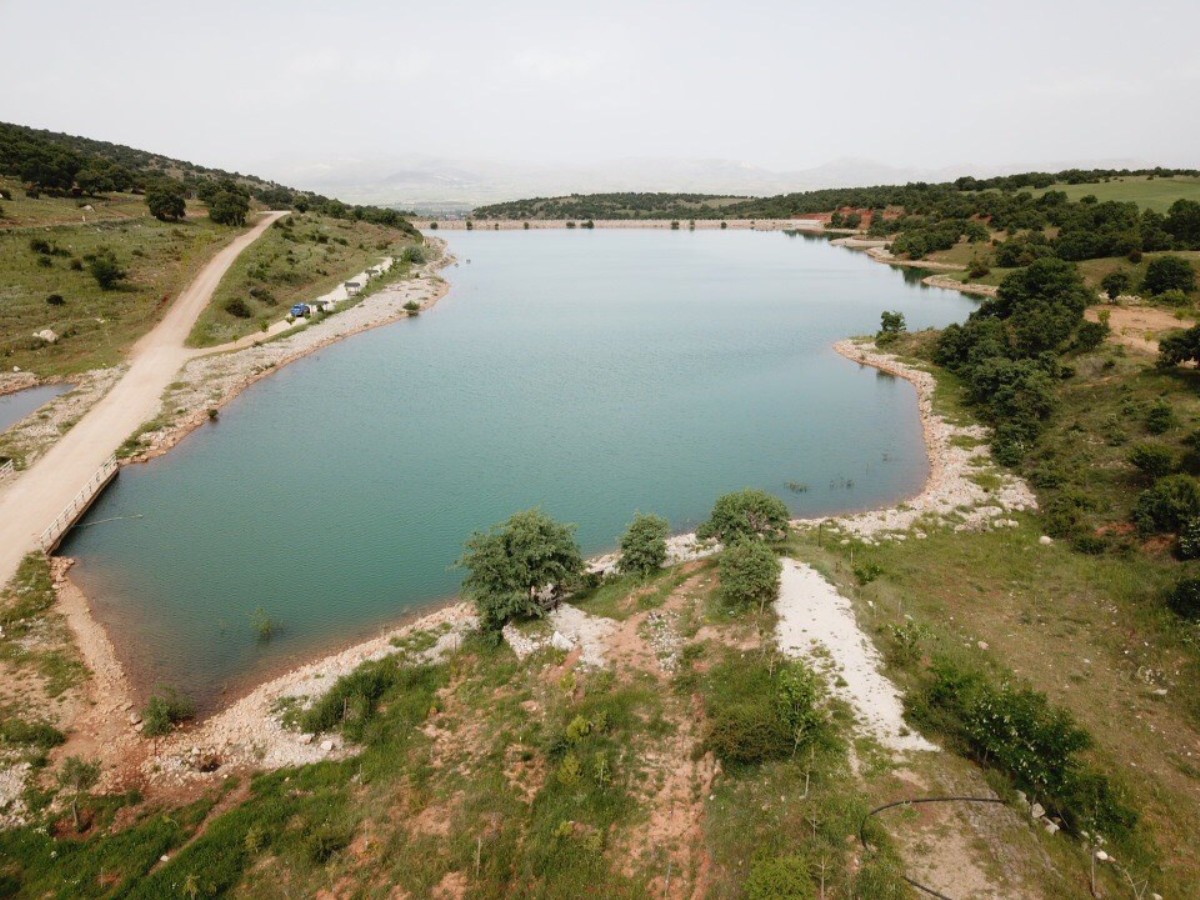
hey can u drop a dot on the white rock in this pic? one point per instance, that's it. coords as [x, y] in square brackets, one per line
[46, 335]
[134, 718]
[560, 641]
[1037, 810]
[306, 739]
[982, 645]
[326, 746]
[1045, 540]
[1049, 826]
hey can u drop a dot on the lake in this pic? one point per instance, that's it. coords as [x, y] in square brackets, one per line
[596, 373]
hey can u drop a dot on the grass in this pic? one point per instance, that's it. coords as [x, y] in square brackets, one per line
[25, 212]
[300, 258]
[95, 327]
[1149, 193]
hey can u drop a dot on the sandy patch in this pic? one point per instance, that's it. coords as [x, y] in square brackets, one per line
[1138, 327]
[978, 290]
[817, 623]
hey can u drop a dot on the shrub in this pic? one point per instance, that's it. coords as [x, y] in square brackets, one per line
[1175, 298]
[1168, 505]
[412, 306]
[520, 567]
[1185, 597]
[30, 734]
[1169, 273]
[978, 268]
[1179, 347]
[644, 544]
[166, 709]
[760, 709]
[55, 300]
[106, 270]
[746, 513]
[1090, 335]
[1115, 284]
[1161, 417]
[781, 878]
[1017, 731]
[239, 308]
[1189, 539]
[750, 573]
[1154, 460]
[413, 254]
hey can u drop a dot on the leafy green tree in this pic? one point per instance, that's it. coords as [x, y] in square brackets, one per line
[1183, 222]
[1179, 347]
[78, 777]
[520, 567]
[1185, 597]
[166, 200]
[891, 326]
[644, 544]
[746, 513]
[1116, 283]
[1169, 273]
[750, 573]
[229, 208]
[105, 268]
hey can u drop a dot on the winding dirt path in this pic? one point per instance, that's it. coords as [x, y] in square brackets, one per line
[30, 504]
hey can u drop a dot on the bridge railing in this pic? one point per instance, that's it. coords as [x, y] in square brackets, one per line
[78, 506]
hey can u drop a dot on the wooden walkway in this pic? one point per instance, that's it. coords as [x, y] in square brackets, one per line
[80, 504]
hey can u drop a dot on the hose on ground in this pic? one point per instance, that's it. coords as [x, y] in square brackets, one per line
[913, 801]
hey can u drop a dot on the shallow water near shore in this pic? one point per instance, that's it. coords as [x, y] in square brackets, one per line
[16, 406]
[594, 373]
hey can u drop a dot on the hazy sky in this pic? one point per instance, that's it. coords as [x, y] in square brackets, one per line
[778, 84]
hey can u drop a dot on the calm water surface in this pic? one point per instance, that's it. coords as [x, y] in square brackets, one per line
[594, 373]
[15, 407]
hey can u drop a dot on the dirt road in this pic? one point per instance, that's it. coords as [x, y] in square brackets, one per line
[42, 492]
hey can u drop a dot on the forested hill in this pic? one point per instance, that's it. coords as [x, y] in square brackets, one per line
[61, 164]
[920, 198]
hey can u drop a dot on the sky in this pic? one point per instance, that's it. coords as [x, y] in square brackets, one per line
[783, 85]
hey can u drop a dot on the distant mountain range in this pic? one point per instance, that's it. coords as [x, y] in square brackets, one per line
[443, 185]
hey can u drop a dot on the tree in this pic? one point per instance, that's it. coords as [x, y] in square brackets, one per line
[1179, 347]
[746, 513]
[520, 567]
[229, 208]
[892, 323]
[750, 573]
[644, 544]
[1169, 273]
[166, 200]
[1183, 222]
[1185, 597]
[1154, 460]
[105, 268]
[1116, 283]
[78, 777]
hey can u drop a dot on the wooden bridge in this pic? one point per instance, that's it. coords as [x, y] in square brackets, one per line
[74, 510]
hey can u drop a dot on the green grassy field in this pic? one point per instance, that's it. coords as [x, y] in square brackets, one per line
[1149, 193]
[298, 259]
[95, 327]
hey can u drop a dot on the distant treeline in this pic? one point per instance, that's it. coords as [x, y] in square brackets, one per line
[925, 218]
[63, 164]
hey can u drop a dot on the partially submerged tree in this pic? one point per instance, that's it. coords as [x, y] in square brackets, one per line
[519, 569]
[744, 514]
[750, 573]
[644, 544]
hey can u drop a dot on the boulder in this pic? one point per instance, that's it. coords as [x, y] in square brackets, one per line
[326, 746]
[1045, 540]
[561, 642]
[46, 335]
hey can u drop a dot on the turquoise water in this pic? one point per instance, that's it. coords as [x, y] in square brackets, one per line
[593, 372]
[16, 406]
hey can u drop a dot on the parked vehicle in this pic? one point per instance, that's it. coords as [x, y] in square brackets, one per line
[301, 310]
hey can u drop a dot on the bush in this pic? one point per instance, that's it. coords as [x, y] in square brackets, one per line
[106, 270]
[978, 268]
[1189, 539]
[166, 709]
[1154, 460]
[413, 254]
[1185, 597]
[1115, 284]
[1168, 505]
[1161, 417]
[1017, 731]
[1090, 335]
[761, 709]
[1169, 273]
[782, 878]
[644, 544]
[55, 300]
[30, 734]
[750, 572]
[746, 513]
[239, 308]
